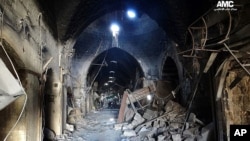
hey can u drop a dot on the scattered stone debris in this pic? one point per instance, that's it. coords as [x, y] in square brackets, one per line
[129, 133]
[70, 127]
[150, 114]
[150, 124]
[141, 120]
[74, 116]
[129, 114]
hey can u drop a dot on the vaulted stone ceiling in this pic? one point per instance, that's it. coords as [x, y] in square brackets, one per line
[68, 19]
[88, 21]
[83, 20]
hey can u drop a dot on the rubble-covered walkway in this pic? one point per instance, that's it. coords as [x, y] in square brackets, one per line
[142, 119]
[96, 126]
[169, 126]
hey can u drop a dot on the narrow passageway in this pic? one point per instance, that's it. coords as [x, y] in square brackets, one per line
[97, 126]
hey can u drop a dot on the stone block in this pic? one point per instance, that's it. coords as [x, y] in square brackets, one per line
[138, 119]
[69, 127]
[152, 133]
[207, 133]
[175, 125]
[161, 138]
[144, 131]
[190, 139]
[129, 115]
[191, 132]
[176, 137]
[118, 126]
[126, 127]
[150, 114]
[162, 130]
[173, 106]
[161, 123]
[138, 116]
[129, 133]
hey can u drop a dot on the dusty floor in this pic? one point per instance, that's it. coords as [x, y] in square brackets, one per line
[97, 126]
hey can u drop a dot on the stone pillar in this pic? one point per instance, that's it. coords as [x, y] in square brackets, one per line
[55, 108]
[54, 103]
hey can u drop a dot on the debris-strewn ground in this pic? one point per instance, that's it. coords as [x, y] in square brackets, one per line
[96, 126]
[149, 126]
[158, 120]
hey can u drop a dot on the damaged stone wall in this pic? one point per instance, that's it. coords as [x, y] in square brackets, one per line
[236, 98]
[29, 37]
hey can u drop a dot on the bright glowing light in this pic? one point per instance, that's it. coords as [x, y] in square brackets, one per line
[110, 81]
[149, 97]
[111, 119]
[131, 13]
[106, 84]
[115, 29]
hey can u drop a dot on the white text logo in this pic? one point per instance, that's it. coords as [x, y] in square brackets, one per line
[225, 5]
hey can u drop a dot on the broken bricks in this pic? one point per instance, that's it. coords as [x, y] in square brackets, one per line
[150, 114]
[138, 119]
[129, 133]
[174, 107]
[129, 114]
[163, 129]
[166, 125]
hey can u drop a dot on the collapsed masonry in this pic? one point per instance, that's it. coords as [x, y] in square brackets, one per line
[158, 119]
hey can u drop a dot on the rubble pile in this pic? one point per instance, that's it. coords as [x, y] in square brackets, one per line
[166, 125]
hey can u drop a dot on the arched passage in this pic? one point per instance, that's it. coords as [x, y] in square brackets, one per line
[170, 71]
[114, 70]
[169, 79]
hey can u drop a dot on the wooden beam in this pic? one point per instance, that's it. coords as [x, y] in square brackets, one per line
[122, 108]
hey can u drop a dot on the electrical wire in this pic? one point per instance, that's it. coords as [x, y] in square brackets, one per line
[25, 94]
